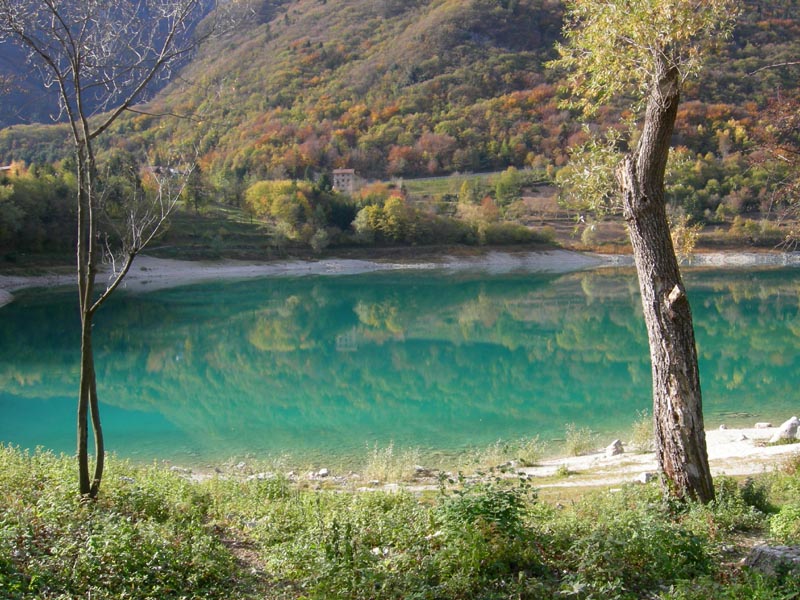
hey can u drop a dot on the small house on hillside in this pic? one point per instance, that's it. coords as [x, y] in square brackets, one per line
[345, 181]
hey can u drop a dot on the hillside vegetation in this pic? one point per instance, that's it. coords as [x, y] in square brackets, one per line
[401, 89]
[412, 88]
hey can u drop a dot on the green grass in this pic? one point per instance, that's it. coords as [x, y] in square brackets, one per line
[436, 186]
[152, 534]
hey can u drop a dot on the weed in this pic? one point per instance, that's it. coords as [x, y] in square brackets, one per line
[784, 442]
[525, 451]
[384, 464]
[791, 466]
[643, 437]
[579, 440]
[563, 471]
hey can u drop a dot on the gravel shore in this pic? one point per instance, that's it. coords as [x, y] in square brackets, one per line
[149, 273]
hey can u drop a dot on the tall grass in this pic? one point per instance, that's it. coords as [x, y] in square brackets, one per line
[579, 440]
[387, 464]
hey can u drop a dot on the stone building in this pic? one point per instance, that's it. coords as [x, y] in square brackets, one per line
[345, 181]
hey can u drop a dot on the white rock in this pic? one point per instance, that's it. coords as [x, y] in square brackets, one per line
[645, 477]
[764, 425]
[615, 448]
[323, 473]
[787, 431]
[723, 427]
[261, 476]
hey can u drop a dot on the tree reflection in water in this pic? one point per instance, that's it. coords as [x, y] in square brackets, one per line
[327, 365]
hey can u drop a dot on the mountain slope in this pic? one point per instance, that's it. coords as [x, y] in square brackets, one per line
[415, 87]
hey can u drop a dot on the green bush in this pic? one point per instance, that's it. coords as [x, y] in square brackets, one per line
[730, 511]
[617, 545]
[488, 505]
[757, 233]
[499, 234]
[785, 526]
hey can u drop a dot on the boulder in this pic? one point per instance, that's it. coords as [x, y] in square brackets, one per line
[615, 448]
[787, 431]
[764, 425]
[774, 560]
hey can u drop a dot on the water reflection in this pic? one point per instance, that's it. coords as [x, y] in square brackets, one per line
[328, 365]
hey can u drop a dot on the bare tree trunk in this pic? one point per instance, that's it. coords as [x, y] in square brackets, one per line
[88, 404]
[677, 400]
[88, 407]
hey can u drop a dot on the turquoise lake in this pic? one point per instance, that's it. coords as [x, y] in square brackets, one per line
[322, 367]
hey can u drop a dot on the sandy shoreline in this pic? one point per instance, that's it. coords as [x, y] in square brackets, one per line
[733, 452]
[149, 273]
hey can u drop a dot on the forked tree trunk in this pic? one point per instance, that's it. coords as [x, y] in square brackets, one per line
[677, 400]
[88, 408]
[88, 404]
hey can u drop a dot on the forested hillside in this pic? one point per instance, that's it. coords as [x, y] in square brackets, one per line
[413, 87]
[410, 88]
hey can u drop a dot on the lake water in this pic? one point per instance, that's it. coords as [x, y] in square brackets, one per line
[322, 367]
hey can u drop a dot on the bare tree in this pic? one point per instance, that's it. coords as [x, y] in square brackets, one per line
[100, 58]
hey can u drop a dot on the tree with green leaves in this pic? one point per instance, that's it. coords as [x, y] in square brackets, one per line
[99, 59]
[643, 51]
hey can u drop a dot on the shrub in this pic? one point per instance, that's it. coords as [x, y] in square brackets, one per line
[618, 545]
[485, 504]
[498, 234]
[785, 526]
[728, 513]
[757, 233]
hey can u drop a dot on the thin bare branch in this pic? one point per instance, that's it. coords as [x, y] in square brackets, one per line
[775, 66]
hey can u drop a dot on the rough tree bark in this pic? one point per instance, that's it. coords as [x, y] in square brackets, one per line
[677, 398]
